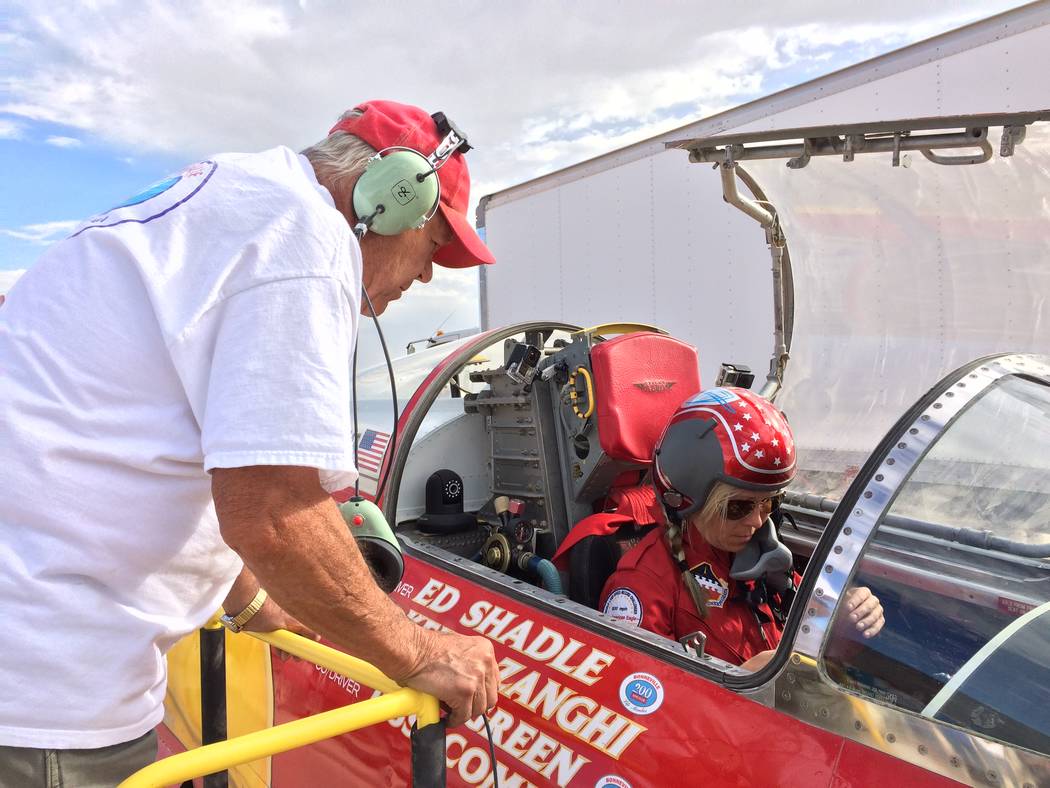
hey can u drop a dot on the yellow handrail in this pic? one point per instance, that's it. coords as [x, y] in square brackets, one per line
[328, 657]
[397, 702]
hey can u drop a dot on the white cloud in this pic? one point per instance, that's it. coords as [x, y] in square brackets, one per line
[63, 142]
[42, 234]
[9, 129]
[537, 85]
[254, 74]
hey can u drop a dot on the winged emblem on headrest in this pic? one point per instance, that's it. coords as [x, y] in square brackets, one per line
[653, 386]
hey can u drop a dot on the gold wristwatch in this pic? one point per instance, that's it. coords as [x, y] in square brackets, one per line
[236, 623]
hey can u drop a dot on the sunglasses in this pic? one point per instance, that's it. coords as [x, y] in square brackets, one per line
[739, 508]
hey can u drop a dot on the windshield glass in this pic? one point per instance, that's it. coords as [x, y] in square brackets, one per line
[991, 469]
[960, 562]
[985, 693]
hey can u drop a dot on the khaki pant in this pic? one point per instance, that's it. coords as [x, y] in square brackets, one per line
[105, 767]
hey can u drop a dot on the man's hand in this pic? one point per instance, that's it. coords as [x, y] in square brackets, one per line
[460, 671]
[294, 541]
[864, 610]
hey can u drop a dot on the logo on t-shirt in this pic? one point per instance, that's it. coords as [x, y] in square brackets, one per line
[156, 200]
[149, 193]
[612, 781]
[623, 605]
[712, 583]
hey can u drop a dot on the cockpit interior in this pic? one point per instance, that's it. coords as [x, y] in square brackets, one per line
[560, 430]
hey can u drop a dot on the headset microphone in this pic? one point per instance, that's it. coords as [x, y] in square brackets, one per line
[365, 222]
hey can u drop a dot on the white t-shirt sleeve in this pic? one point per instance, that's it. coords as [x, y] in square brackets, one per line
[267, 374]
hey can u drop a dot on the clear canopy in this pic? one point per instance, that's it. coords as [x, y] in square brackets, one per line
[903, 274]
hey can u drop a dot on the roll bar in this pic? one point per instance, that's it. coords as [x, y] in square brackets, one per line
[396, 701]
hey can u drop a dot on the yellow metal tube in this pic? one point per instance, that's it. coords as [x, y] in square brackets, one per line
[351, 667]
[298, 733]
[328, 657]
[395, 702]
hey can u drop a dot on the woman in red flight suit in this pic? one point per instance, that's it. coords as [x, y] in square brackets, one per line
[719, 470]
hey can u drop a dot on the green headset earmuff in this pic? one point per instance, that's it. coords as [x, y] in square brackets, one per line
[396, 192]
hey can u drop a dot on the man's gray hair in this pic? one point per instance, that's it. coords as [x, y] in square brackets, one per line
[339, 156]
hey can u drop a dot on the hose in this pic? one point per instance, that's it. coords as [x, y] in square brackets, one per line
[547, 573]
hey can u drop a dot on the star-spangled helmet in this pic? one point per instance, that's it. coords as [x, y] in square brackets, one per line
[723, 434]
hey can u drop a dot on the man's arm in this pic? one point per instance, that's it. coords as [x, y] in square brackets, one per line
[291, 536]
[270, 616]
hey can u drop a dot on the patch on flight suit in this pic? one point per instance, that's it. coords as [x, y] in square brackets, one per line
[623, 605]
[709, 581]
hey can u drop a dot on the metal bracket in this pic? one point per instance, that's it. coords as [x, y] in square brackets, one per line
[800, 161]
[980, 137]
[930, 136]
[854, 143]
[1012, 135]
[732, 196]
[694, 643]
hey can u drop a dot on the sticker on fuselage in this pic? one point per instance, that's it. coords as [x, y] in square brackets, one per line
[642, 693]
[712, 583]
[154, 201]
[612, 781]
[624, 605]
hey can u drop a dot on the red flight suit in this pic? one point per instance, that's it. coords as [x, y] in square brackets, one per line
[647, 590]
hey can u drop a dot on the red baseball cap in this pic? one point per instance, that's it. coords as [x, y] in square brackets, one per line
[388, 124]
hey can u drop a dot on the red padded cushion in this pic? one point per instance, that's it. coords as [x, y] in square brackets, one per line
[639, 381]
[638, 503]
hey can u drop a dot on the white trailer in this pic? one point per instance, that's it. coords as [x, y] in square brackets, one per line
[901, 267]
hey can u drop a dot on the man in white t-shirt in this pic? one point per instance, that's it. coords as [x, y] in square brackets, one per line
[176, 383]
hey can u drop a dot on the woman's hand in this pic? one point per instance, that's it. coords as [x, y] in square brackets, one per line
[864, 610]
[759, 661]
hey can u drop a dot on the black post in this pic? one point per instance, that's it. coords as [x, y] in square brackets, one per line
[213, 696]
[428, 756]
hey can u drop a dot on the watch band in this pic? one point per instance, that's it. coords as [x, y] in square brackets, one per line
[236, 623]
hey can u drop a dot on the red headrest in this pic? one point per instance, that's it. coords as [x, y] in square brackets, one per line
[639, 381]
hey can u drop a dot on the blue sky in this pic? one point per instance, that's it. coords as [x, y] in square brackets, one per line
[100, 99]
[49, 183]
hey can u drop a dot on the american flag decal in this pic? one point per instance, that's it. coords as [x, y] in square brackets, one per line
[371, 449]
